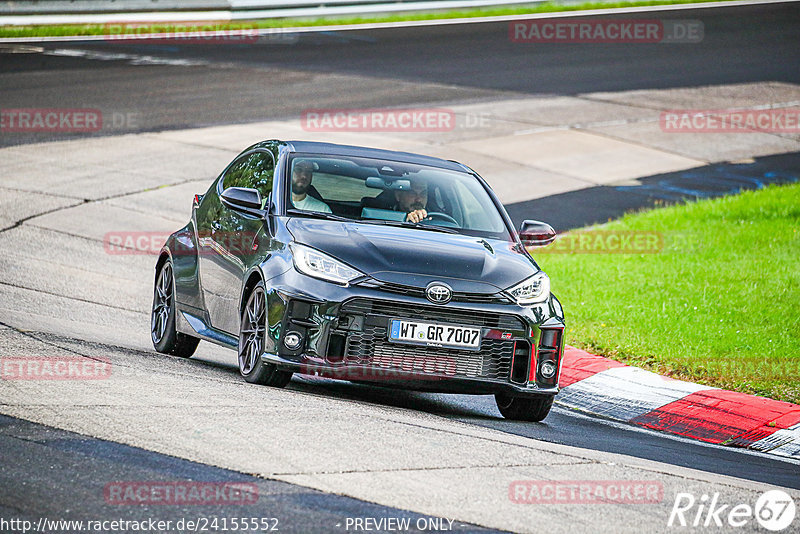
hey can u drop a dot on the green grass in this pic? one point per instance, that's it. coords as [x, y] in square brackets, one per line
[102, 29]
[719, 305]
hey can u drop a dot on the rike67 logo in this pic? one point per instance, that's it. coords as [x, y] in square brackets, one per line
[774, 510]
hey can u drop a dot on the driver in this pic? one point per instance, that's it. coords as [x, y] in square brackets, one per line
[413, 201]
[302, 174]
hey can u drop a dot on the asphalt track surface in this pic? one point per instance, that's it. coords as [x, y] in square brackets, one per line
[391, 67]
[54, 474]
[424, 65]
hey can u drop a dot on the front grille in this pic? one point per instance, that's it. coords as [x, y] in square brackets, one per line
[419, 292]
[372, 348]
[500, 321]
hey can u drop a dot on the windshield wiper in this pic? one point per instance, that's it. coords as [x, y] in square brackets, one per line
[318, 215]
[406, 224]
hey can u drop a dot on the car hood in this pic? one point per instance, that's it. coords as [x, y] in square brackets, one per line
[415, 257]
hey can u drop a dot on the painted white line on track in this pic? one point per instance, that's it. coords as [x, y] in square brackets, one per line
[134, 59]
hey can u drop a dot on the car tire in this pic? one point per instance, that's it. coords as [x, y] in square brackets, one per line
[165, 338]
[524, 408]
[252, 332]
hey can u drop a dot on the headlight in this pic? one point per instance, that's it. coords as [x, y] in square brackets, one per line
[534, 289]
[314, 263]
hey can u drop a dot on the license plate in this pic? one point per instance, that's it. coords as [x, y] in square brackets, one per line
[435, 334]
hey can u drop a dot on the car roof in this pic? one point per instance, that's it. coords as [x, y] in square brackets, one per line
[377, 153]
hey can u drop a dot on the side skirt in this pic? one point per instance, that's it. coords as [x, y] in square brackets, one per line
[200, 329]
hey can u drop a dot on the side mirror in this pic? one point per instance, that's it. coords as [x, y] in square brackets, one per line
[241, 197]
[246, 200]
[536, 234]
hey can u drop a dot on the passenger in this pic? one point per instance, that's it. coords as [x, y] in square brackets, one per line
[302, 175]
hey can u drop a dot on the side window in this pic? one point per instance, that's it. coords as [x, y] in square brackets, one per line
[255, 171]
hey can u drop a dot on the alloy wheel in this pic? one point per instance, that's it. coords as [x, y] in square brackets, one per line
[251, 338]
[162, 304]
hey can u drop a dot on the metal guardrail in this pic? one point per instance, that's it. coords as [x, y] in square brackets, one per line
[74, 7]
[65, 7]
[122, 11]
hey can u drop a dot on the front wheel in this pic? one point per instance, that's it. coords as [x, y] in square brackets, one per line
[252, 331]
[165, 338]
[524, 408]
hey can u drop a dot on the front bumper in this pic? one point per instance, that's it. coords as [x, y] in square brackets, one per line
[344, 332]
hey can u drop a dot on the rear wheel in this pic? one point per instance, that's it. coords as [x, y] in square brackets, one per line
[165, 338]
[252, 331]
[524, 408]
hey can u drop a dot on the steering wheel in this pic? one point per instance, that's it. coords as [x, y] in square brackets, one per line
[438, 215]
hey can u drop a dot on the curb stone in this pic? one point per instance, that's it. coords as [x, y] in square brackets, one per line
[607, 388]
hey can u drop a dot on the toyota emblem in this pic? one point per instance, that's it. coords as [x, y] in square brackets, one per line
[438, 293]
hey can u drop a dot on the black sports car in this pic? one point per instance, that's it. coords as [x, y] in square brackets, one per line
[364, 265]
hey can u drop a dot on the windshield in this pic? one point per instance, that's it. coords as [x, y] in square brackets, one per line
[389, 192]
